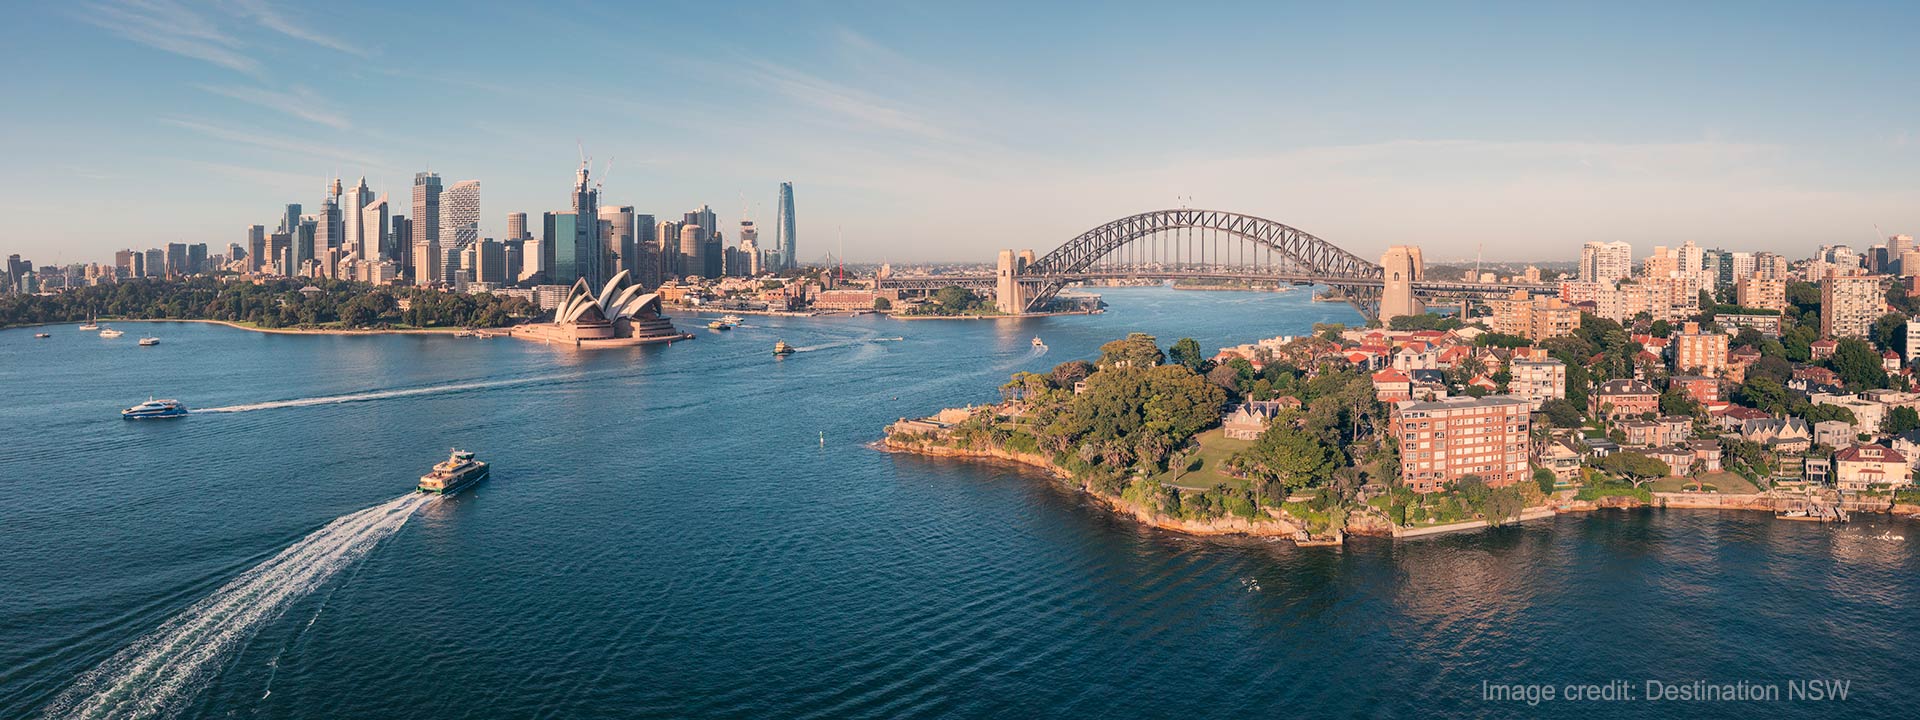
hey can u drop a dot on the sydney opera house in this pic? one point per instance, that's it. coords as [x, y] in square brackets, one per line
[619, 316]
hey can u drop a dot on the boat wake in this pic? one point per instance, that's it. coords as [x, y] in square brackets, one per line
[159, 674]
[379, 395]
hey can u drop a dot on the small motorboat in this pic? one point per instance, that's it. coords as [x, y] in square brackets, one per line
[149, 341]
[1037, 343]
[110, 333]
[782, 348]
[43, 336]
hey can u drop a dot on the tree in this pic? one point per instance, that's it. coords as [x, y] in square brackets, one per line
[1285, 458]
[1562, 413]
[1135, 350]
[1502, 505]
[1890, 332]
[1858, 365]
[953, 299]
[1545, 479]
[1660, 329]
[882, 304]
[1676, 402]
[1066, 374]
[1762, 392]
[1187, 352]
[1900, 420]
[1635, 467]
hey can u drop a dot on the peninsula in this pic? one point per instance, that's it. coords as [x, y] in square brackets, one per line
[1433, 426]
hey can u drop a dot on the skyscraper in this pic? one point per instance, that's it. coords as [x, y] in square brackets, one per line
[374, 245]
[561, 243]
[426, 228]
[256, 248]
[517, 226]
[177, 260]
[691, 245]
[361, 239]
[646, 248]
[668, 234]
[784, 229]
[459, 226]
[620, 238]
[196, 258]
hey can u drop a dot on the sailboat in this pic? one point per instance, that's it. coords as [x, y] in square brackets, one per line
[90, 326]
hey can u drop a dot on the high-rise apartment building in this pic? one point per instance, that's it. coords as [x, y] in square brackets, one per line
[617, 224]
[156, 263]
[784, 229]
[1760, 291]
[1444, 440]
[1849, 303]
[1539, 380]
[177, 260]
[196, 258]
[1699, 353]
[1606, 262]
[1535, 318]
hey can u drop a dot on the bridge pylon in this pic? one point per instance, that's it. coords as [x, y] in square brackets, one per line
[1400, 268]
[1008, 295]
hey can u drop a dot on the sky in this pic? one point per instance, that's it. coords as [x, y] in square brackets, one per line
[943, 131]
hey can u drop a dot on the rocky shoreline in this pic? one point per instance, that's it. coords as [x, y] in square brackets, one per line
[1363, 524]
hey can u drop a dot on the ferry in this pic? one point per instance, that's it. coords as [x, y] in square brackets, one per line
[1037, 343]
[717, 325]
[149, 341]
[456, 473]
[155, 409]
[782, 348]
[110, 333]
[731, 320]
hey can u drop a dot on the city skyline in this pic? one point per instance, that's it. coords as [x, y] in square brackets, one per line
[909, 125]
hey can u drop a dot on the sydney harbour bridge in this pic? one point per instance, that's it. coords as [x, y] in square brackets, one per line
[1215, 245]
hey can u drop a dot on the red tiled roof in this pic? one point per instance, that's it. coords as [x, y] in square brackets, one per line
[1391, 375]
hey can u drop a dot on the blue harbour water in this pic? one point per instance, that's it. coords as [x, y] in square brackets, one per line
[701, 531]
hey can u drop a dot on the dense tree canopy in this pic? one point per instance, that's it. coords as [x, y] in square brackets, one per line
[270, 304]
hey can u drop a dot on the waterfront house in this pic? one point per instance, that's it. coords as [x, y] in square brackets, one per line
[1779, 434]
[1833, 433]
[1669, 430]
[1561, 457]
[1246, 422]
[1679, 458]
[1859, 467]
[1707, 452]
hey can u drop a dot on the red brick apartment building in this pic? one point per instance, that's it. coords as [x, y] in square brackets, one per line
[1442, 440]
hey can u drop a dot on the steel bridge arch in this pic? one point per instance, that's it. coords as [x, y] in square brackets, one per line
[1313, 255]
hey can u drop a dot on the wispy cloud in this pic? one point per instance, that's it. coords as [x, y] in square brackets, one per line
[870, 111]
[299, 102]
[272, 142]
[168, 26]
[260, 176]
[262, 12]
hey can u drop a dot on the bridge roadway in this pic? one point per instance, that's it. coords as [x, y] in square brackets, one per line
[1426, 289]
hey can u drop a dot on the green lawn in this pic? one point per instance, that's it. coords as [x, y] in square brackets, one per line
[1725, 482]
[1215, 448]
